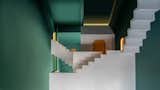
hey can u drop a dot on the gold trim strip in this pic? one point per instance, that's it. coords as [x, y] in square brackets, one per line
[95, 24]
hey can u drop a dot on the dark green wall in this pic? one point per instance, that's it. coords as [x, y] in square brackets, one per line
[24, 47]
[121, 18]
[67, 11]
[148, 60]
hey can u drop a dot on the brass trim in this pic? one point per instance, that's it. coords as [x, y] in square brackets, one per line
[96, 24]
[54, 36]
[122, 42]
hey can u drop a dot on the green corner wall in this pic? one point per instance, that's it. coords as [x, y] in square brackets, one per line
[25, 56]
[148, 60]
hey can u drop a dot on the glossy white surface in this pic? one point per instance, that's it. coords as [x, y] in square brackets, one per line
[62, 52]
[112, 72]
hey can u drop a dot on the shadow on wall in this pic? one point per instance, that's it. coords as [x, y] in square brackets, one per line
[121, 19]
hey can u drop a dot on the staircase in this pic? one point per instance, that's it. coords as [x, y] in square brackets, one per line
[114, 70]
[83, 58]
[61, 52]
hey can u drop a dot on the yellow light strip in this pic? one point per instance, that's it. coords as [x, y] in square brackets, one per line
[122, 42]
[55, 36]
[95, 24]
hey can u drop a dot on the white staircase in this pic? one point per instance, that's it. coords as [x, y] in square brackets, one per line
[83, 58]
[114, 70]
[61, 52]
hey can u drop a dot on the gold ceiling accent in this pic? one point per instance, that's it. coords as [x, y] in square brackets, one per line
[95, 21]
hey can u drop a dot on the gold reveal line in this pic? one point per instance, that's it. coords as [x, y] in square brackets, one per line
[95, 24]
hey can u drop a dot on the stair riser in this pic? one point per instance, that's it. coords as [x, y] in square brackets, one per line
[131, 50]
[148, 4]
[144, 14]
[136, 35]
[140, 25]
[134, 43]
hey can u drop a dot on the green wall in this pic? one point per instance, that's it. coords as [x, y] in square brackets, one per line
[24, 47]
[67, 11]
[148, 60]
[69, 39]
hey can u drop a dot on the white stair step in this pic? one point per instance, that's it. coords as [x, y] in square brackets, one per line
[90, 63]
[134, 41]
[131, 48]
[146, 14]
[132, 45]
[140, 24]
[136, 34]
[97, 59]
[102, 55]
[78, 70]
[148, 4]
[131, 51]
[113, 52]
[136, 37]
[138, 30]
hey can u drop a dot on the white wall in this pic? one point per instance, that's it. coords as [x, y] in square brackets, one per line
[88, 39]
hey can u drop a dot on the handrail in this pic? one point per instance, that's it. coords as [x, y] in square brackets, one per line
[61, 52]
[122, 42]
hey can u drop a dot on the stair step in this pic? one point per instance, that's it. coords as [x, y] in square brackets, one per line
[146, 14]
[131, 48]
[113, 52]
[136, 34]
[78, 70]
[138, 30]
[134, 41]
[148, 4]
[102, 55]
[131, 51]
[140, 24]
[140, 37]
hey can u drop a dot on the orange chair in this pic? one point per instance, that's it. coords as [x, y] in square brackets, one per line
[99, 45]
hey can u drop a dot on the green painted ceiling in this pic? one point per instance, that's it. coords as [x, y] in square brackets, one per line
[67, 11]
[71, 12]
